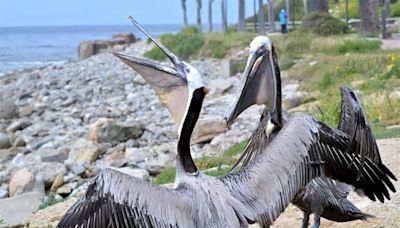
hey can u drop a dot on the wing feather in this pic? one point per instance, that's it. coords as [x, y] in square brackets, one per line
[118, 200]
[302, 150]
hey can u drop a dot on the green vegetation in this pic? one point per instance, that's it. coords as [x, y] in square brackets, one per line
[221, 164]
[2, 221]
[191, 43]
[323, 24]
[184, 44]
[51, 200]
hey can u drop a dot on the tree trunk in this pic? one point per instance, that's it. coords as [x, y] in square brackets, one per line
[261, 21]
[185, 19]
[242, 16]
[305, 5]
[319, 5]
[369, 17]
[387, 8]
[198, 14]
[287, 5]
[210, 22]
[224, 15]
[271, 16]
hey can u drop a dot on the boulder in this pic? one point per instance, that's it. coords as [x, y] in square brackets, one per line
[4, 141]
[127, 38]
[58, 182]
[18, 125]
[135, 155]
[16, 211]
[108, 130]
[207, 129]
[25, 111]
[86, 49]
[88, 153]
[115, 159]
[22, 181]
[49, 171]
[8, 109]
[3, 192]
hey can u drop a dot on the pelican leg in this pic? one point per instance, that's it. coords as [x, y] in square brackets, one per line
[306, 218]
[317, 220]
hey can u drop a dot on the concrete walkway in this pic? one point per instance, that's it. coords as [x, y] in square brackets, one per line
[391, 44]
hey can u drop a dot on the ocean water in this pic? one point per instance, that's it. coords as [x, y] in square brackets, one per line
[27, 47]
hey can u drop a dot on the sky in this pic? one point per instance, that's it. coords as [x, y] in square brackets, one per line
[107, 12]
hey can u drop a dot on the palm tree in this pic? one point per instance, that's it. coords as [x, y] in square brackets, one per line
[287, 5]
[261, 21]
[369, 17]
[242, 15]
[305, 5]
[198, 14]
[185, 19]
[210, 23]
[271, 16]
[224, 15]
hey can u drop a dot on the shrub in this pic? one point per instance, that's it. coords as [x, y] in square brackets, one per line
[184, 44]
[357, 46]
[395, 9]
[323, 24]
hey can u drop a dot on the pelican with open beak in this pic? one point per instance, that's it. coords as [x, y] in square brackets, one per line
[259, 83]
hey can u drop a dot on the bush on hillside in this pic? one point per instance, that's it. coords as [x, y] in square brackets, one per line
[323, 24]
[183, 44]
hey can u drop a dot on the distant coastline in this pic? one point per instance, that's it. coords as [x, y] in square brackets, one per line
[32, 47]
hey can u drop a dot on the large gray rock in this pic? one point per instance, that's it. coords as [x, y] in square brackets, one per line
[86, 49]
[88, 153]
[18, 125]
[22, 181]
[8, 109]
[15, 211]
[207, 129]
[49, 171]
[4, 141]
[135, 155]
[108, 130]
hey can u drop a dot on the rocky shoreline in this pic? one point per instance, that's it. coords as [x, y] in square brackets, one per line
[61, 124]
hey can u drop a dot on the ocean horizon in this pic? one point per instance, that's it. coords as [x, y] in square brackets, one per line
[36, 46]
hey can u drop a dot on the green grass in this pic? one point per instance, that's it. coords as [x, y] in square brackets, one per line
[185, 44]
[357, 46]
[381, 132]
[190, 43]
[222, 164]
[51, 200]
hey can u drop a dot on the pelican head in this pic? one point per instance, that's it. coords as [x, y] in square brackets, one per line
[259, 82]
[180, 88]
[177, 86]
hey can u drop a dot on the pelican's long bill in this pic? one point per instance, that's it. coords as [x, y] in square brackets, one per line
[258, 84]
[174, 85]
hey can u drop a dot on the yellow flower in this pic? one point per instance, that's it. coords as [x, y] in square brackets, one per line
[393, 57]
[389, 67]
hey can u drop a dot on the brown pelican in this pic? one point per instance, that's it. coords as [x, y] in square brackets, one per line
[258, 193]
[322, 196]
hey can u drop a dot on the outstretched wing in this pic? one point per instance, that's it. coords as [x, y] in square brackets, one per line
[114, 199]
[302, 150]
[354, 122]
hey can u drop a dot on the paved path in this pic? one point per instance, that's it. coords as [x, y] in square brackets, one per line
[390, 44]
